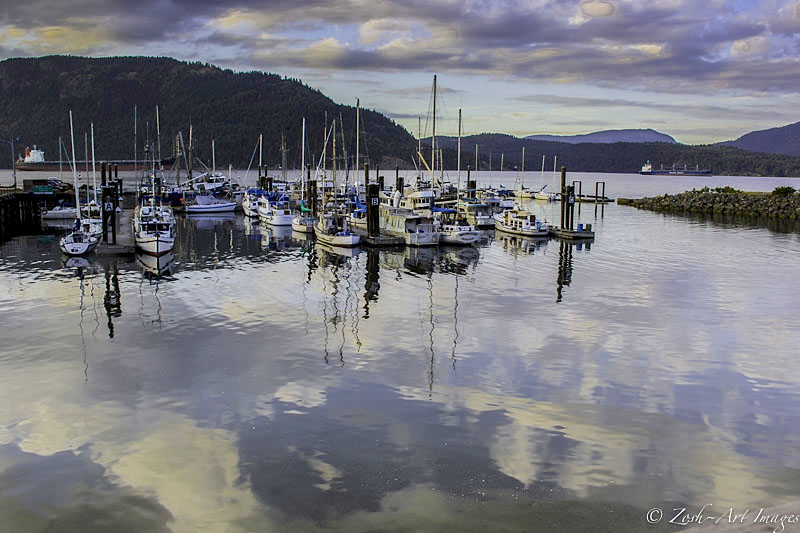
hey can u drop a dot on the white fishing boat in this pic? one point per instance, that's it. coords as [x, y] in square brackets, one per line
[303, 223]
[274, 213]
[79, 242]
[328, 232]
[417, 230]
[154, 229]
[519, 222]
[59, 212]
[210, 204]
[453, 229]
[477, 213]
[250, 201]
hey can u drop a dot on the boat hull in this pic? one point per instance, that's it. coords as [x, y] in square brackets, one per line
[155, 246]
[302, 226]
[60, 214]
[227, 207]
[523, 232]
[72, 248]
[463, 238]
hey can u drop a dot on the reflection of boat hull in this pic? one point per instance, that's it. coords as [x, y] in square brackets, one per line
[458, 236]
[157, 265]
[337, 250]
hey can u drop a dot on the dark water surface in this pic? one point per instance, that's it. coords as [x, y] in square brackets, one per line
[265, 384]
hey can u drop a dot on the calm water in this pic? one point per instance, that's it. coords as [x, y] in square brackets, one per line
[263, 384]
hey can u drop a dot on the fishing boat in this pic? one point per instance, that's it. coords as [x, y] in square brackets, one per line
[79, 242]
[476, 213]
[520, 222]
[250, 201]
[454, 229]
[328, 232]
[275, 213]
[417, 230]
[210, 204]
[154, 229]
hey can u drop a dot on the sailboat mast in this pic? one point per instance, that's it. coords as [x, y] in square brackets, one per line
[213, 156]
[86, 165]
[260, 151]
[543, 156]
[283, 156]
[476, 157]
[419, 144]
[135, 147]
[158, 137]
[74, 168]
[94, 168]
[303, 162]
[523, 159]
[358, 131]
[433, 135]
[459, 150]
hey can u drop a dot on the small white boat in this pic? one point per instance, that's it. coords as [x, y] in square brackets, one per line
[210, 204]
[454, 230]
[477, 214]
[328, 233]
[250, 201]
[154, 229]
[303, 224]
[59, 212]
[520, 222]
[275, 213]
[78, 243]
[417, 230]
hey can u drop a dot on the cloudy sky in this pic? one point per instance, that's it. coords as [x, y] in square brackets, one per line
[700, 70]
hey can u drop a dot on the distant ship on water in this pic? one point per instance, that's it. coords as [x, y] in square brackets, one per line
[647, 170]
[34, 160]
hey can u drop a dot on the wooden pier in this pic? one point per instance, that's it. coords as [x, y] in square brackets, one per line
[19, 214]
[124, 244]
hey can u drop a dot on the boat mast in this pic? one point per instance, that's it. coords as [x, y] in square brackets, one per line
[476, 157]
[158, 137]
[213, 156]
[303, 162]
[543, 156]
[260, 151]
[60, 169]
[135, 144]
[458, 179]
[433, 135]
[358, 134]
[86, 165]
[283, 156]
[522, 175]
[419, 146]
[325, 147]
[94, 169]
[74, 169]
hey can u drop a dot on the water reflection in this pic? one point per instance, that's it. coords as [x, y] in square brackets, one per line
[311, 388]
[156, 267]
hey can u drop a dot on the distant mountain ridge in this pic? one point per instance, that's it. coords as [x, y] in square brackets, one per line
[609, 136]
[781, 140]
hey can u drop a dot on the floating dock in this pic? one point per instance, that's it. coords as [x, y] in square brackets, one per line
[379, 240]
[571, 234]
[124, 245]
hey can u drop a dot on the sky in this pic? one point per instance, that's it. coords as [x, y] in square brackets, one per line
[700, 70]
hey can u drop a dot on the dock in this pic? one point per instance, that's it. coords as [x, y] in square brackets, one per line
[571, 234]
[379, 240]
[124, 245]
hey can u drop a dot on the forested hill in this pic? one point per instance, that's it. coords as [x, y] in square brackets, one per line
[232, 108]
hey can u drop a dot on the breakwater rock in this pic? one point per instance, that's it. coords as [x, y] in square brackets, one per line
[783, 202]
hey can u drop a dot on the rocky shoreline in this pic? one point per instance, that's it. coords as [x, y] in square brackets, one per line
[782, 203]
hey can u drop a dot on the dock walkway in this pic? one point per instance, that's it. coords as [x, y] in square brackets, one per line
[125, 245]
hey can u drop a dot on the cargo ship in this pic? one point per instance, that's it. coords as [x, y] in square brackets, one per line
[647, 170]
[34, 160]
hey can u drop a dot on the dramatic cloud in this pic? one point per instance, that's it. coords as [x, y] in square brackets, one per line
[670, 46]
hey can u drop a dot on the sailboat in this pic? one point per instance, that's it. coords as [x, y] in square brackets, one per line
[79, 242]
[331, 227]
[154, 226]
[303, 222]
[454, 229]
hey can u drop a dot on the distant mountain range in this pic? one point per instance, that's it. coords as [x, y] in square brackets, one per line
[782, 140]
[609, 136]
